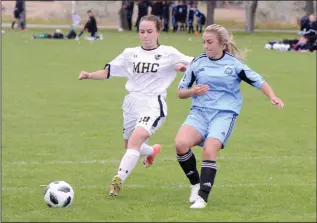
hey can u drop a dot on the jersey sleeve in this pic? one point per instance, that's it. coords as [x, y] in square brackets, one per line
[249, 76]
[178, 57]
[188, 79]
[118, 67]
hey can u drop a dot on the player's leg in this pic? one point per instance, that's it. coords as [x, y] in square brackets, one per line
[152, 151]
[15, 18]
[202, 23]
[128, 162]
[220, 129]
[190, 26]
[190, 134]
[136, 132]
[21, 20]
[130, 118]
[86, 28]
[155, 119]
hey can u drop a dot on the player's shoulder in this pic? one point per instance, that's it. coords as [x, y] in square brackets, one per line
[233, 59]
[167, 49]
[198, 59]
[131, 51]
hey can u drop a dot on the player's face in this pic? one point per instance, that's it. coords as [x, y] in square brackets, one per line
[148, 34]
[212, 46]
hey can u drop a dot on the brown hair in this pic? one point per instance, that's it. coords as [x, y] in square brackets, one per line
[154, 19]
[226, 38]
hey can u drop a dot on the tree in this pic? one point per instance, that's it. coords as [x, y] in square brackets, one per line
[250, 10]
[211, 5]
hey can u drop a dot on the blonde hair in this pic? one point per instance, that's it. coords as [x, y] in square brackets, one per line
[226, 38]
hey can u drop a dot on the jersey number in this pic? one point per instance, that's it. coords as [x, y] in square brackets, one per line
[144, 120]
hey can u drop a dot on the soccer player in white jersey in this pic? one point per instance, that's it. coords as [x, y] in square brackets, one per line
[76, 20]
[150, 69]
[216, 102]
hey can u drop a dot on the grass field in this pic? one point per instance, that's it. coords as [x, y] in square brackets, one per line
[55, 127]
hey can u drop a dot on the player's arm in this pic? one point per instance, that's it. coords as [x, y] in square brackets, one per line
[117, 67]
[97, 75]
[185, 84]
[179, 58]
[251, 77]
[186, 88]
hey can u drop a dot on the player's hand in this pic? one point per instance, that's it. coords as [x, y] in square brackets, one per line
[278, 102]
[180, 67]
[199, 89]
[84, 75]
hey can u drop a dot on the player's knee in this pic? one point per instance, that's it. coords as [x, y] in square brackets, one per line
[212, 146]
[181, 145]
[138, 137]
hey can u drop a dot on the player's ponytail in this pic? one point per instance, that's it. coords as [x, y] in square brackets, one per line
[227, 39]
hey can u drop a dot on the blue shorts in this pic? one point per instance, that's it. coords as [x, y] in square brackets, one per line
[212, 123]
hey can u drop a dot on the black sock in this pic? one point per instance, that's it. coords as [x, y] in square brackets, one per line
[207, 177]
[188, 163]
[12, 25]
[81, 33]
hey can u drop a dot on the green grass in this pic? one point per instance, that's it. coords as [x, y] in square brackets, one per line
[266, 173]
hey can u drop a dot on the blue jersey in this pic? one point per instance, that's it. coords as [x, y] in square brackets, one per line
[198, 13]
[223, 76]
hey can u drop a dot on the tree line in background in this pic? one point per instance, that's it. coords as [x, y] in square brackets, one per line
[250, 10]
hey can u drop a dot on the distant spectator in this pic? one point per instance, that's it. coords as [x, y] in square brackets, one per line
[18, 14]
[166, 15]
[123, 17]
[200, 21]
[129, 9]
[157, 9]
[143, 11]
[90, 26]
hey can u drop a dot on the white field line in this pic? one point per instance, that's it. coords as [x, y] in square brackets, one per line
[176, 186]
[115, 161]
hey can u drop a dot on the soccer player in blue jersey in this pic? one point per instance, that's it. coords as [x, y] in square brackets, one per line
[201, 19]
[216, 102]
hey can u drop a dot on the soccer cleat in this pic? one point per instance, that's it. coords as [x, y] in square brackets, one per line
[149, 160]
[115, 186]
[199, 203]
[194, 193]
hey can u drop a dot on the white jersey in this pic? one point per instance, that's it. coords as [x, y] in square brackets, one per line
[148, 71]
[76, 20]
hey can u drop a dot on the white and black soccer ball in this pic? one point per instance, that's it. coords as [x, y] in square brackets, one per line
[59, 194]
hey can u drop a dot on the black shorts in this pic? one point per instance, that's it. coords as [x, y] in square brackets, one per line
[16, 14]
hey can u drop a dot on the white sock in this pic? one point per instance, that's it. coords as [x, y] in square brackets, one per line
[128, 162]
[146, 150]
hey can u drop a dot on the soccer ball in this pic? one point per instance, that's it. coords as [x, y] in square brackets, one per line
[59, 194]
